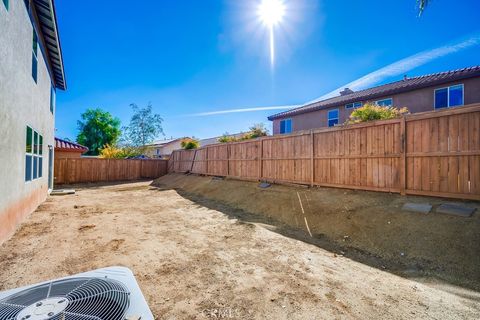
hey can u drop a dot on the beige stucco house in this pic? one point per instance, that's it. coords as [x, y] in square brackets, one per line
[31, 70]
[162, 149]
[430, 92]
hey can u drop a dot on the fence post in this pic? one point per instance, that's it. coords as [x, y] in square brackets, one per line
[228, 159]
[403, 162]
[193, 160]
[206, 158]
[260, 160]
[65, 179]
[312, 163]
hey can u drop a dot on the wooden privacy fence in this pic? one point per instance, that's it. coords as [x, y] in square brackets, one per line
[431, 153]
[79, 170]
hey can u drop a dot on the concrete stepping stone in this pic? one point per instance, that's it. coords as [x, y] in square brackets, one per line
[417, 207]
[264, 185]
[455, 209]
[62, 192]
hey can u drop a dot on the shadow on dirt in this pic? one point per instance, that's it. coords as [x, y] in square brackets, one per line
[364, 243]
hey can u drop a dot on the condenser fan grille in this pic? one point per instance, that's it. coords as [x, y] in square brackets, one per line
[69, 299]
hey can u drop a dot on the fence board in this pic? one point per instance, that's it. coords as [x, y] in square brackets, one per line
[68, 171]
[444, 156]
[431, 153]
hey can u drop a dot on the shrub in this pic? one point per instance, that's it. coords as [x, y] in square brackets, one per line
[114, 152]
[189, 143]
[370, 112]
[227, 138]
[256, 131]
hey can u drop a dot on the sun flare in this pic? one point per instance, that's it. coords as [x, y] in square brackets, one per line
[271, 12]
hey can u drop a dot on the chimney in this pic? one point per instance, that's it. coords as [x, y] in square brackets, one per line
[405, 77]
[346, 91]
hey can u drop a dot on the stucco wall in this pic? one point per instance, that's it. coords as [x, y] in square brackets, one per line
[165, 150]
[22, 102]
[416, 101]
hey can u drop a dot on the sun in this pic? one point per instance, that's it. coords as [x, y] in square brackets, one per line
[271, 12]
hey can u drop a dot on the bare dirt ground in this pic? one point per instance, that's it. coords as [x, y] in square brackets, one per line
[369, 227]
[196, 262]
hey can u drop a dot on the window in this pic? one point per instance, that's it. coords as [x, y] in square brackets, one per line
[449, 97]
[52, 99]
[33, 155]
[34, 56]
[40, 156]
[35, 158]
[333, 117]
[385, 102]
[28, 157]
[353, 105]
[286, 126]
[5, 2]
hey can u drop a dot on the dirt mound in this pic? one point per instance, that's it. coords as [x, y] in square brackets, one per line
[367, 226]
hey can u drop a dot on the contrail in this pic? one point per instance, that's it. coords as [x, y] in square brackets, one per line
[404, 65]
[211, 113]
[394, 69]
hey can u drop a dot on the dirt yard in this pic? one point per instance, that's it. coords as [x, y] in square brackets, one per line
[200, 259]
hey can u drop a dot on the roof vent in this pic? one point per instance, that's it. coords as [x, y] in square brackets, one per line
[346, 91]
[405, 77]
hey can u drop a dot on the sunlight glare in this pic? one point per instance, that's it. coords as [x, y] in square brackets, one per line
[271, 12]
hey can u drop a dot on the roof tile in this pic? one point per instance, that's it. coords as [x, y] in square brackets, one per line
[64, 145]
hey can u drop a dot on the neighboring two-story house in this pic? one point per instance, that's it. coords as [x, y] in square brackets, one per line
[425, 93]
[31, 69]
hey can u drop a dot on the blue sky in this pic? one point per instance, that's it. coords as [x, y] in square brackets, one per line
[189, 57]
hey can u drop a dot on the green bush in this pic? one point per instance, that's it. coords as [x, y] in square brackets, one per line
[189, 144]
[114, 152]
[227, 138]
[371, 112]
[256, 131]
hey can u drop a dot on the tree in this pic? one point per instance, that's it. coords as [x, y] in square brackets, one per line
[144, 126]
[422, 4]
[97, 129]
